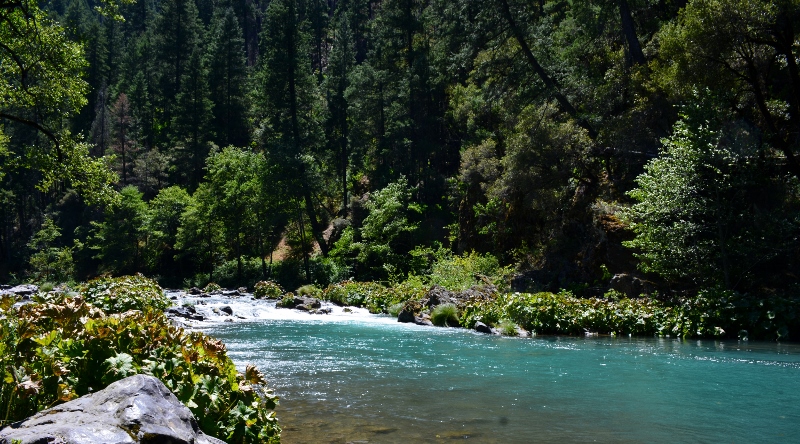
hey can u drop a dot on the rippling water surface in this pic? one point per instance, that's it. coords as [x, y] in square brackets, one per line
[355, 377]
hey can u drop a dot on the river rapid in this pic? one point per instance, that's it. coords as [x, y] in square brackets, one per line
[356, 377]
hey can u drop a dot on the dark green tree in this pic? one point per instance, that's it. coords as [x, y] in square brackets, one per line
[228, 80]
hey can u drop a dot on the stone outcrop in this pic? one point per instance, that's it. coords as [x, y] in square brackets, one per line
[138, 409]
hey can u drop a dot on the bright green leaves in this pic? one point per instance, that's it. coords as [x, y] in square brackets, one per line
[695, 218]
[41, 84]
[118, 367]
[60, 348]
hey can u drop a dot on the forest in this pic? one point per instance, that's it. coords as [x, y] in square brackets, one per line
[315, 141]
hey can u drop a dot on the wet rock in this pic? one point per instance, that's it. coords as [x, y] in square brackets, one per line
[323, 311]
[405, 316]
[226, 309]
[242, 290]
[186, 312]
[480, 327]
[138, 409]
[304, 303]
[195, 291]
[231, 293]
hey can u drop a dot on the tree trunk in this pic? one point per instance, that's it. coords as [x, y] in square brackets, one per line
[549, 83]
[629, 29]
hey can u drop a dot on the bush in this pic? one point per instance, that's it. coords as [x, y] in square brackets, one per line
[458, 273]
[56, 351]
[287, 300]
[212, 287]
[711, 313]
[371, 295]
[117, 295]
[309, 290]
[267, 289]
[445, 315]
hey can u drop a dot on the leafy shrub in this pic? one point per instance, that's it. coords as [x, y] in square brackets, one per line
[712, 313]
[212, 287]
[287, 300]
[50, 352]
[117, 295]
[445, 315]
[267, 289]
[371, 295]
[458, 273]
[309, 290]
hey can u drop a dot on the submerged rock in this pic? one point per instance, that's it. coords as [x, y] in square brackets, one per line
[138, 409]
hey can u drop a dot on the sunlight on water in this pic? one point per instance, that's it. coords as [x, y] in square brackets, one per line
[355, 377]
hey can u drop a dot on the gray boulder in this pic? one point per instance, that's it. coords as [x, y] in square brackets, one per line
[226, 309]
[185, 311]
[138, 409]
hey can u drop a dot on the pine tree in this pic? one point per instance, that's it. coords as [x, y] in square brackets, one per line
[190, 126]
[228, 78]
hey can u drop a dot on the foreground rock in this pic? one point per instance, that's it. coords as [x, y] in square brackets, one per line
[139, 409]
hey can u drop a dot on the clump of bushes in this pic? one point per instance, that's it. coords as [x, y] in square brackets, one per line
[267, 289]
[309, 290]
[287, 301]
[212, 287]
[371, 295]
[117, 295]
[67, 345]
[709, 314]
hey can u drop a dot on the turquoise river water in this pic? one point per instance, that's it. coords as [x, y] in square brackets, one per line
[355, 377]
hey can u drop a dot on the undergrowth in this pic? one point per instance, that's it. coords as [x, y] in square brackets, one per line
[65, 345]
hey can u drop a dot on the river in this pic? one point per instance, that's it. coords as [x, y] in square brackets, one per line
[361, 378]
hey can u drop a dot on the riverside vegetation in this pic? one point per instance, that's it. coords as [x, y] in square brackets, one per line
[67, 343]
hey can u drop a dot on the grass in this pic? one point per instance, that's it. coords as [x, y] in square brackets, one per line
[445, 315]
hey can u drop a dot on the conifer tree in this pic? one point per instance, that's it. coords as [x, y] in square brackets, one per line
[228, 78]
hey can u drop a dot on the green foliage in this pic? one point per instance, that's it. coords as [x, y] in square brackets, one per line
[507, 327]
[712, 313]
[445, 315]
[458, 273]
[386, 234]
[372, 295]
[118, 295]
[41, 86]
[286, 301]
[267, 289]
[212, 287]
[48, 261]
[309, 290]
[698, 215]
[64, 347]
[120, 240]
